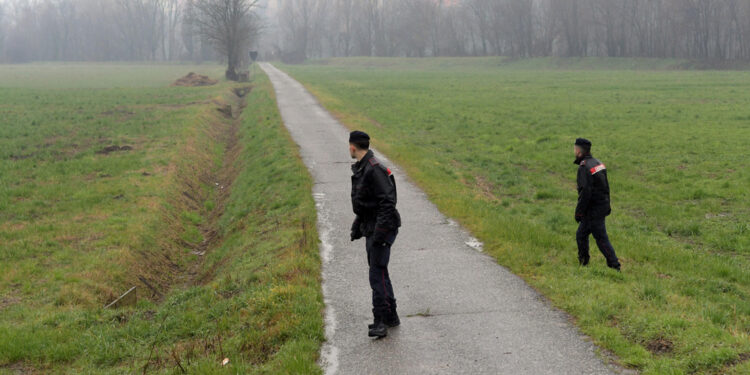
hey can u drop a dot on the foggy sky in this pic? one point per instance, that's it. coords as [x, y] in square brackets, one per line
[295, 30]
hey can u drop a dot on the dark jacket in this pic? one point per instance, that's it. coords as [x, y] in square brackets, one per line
[593, 189]
[374, 198]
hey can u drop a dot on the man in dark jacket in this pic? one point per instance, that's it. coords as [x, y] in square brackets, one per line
[374, 203]
[593, 205]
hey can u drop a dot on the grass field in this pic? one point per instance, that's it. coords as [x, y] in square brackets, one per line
[98, 75]
[111, 179]
[490, 141]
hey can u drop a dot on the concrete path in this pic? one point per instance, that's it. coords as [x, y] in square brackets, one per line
[461, 312]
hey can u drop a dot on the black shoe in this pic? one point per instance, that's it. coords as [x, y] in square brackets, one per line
[388, 323]
[392, 320]
[583, 261]
[376, 317]
[379, 330]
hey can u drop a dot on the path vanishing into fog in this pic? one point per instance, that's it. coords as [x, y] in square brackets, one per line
[461, 313]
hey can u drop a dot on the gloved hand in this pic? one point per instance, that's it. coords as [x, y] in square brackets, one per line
[356, 232]
[578, 218]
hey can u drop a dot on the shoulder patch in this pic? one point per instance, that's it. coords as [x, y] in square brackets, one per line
[373, 161]
[597, 169]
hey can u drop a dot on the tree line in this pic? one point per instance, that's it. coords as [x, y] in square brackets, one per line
[170, 30]
[101, 30]
[694, 29]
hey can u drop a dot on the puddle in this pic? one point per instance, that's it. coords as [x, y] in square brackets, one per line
[324, 227]
[329, 354]
[329, 362]
[475, 244]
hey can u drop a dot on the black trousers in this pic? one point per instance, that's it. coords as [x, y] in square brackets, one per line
[378, 256]
[598, 228]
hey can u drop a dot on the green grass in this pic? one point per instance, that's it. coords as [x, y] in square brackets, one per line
[542, 63]
[78, 228]
[491, 144]
[98, 75]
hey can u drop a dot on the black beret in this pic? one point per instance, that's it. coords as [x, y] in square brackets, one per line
[358, 136]
[584, 143]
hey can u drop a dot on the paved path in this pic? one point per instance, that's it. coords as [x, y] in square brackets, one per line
[461, 312]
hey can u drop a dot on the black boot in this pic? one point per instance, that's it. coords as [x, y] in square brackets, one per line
[375, 319]
[583, 261]
[391, 319]
[378, 330]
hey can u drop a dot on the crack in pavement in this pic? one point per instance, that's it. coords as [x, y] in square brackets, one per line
[433, 268]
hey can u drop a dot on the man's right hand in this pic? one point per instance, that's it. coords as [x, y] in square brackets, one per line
[356, 235]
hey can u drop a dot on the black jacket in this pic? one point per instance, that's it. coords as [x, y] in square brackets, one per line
[593, 189]
[374, 198]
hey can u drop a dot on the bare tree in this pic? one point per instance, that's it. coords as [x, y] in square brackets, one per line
[231, 26]
[520, 18]
[545, 28]
[170, 43]
[189, 32]
[481, 10]
[344, 14]
[140, 25]
[296, 22]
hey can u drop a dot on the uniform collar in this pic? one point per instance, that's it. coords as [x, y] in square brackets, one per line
[584, 157]
[360, 164]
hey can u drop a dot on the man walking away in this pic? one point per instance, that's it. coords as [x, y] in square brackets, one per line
[593, 205]
[374, 203]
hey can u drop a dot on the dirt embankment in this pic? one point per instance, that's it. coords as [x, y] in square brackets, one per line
[231, 108]
[200, 181]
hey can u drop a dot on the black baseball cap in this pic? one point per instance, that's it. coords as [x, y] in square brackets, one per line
[358, 136]
[584, 143]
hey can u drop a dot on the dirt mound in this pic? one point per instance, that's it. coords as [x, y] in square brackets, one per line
[194, 80]
[660, 346]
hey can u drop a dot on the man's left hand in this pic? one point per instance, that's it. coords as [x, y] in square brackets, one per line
[379, 237]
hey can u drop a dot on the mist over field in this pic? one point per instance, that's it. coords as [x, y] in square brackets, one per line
[173, 30]
[158, 215]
